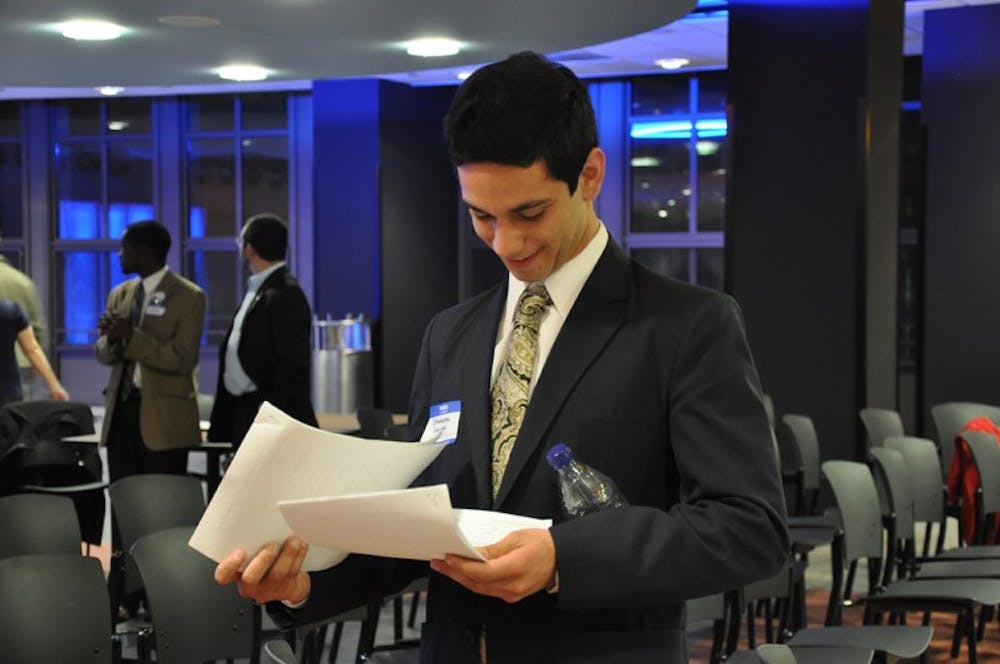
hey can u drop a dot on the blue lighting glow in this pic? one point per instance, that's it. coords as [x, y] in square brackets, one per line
[679, 129]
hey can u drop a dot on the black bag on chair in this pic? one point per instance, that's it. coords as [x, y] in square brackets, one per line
[33, 456]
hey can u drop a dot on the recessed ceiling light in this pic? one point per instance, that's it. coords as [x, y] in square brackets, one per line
[242, 73]
[110, 90]
[189, 21]
[434, 47]
[117, 125]
[462, 75]
[86, 30]
[672, 63]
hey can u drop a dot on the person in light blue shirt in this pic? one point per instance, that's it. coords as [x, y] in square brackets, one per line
[267, 351]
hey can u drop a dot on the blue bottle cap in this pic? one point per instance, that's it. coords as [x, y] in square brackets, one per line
[559, 455]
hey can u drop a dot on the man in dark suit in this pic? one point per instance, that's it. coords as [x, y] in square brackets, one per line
[150, 337]
[266, 354]
[649, 380]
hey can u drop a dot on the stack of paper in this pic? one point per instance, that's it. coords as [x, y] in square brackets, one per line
[283, 459]
[342, 495]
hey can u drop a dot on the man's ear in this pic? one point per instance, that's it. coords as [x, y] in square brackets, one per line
[592, 175]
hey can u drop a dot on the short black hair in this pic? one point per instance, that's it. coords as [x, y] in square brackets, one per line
[150, 234]
[519, 110]
[268, 235]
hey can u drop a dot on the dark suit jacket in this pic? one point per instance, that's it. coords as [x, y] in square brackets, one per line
[651, 382]
[166, 347]
[276, 353]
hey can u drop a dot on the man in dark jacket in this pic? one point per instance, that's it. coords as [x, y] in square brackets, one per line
[266, 353]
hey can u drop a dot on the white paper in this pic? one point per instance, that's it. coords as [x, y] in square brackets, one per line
[283, 459]
[417, 523]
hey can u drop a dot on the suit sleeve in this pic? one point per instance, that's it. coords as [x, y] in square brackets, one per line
[109, 352]
[179, 354]
[291, 327]
[728, 527]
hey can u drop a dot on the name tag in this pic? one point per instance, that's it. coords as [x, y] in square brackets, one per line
[443, 423]
[155, 310]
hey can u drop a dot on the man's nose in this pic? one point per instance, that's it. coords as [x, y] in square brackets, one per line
[507, 240]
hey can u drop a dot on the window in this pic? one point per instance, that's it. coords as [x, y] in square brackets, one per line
[677, 133]
[236, 165]
[104, 172]
[11, 185]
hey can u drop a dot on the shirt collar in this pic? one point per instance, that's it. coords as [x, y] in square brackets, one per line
[256, 280]
[150, 283]
[565, 284]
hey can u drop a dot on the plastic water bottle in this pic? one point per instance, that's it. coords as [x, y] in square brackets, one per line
[584, 490]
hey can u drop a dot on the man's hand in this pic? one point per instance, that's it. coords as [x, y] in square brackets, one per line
[517, 566]
[114, 326]
[275, 573]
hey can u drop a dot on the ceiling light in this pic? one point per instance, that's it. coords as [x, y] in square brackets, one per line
[110, 90]
[672, 63]
[462, 75]
[434, 47]
[117, 125]
[91, 30]
[242, 73]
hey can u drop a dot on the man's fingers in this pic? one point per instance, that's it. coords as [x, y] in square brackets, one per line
[289, 561]
[229, 569]
[261, 563]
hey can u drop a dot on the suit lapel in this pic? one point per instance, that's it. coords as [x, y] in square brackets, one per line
[596, 315]
[478, 364]
[271, 280]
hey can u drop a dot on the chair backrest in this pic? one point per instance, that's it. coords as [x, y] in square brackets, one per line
[710, 607]
[881, 423]
[986, 456]
[144, 504]
[33, 523]
[926, 482]
[950, 417]
[803, 433]
[775, 653]
[854, 490]
[194, 618]
[279, 652]
[373, 422]
[56, 609]
[896, 479]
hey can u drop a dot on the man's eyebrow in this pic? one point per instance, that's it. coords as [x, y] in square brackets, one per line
[517, 208]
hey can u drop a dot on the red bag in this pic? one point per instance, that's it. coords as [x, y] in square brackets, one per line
[963, 478]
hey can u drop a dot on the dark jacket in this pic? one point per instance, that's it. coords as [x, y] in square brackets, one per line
[651, 382]
[275, 351]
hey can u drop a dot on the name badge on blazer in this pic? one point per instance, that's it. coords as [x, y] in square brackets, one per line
[443, 423]
[156, 306]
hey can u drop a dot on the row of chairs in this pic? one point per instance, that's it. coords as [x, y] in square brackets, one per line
[190, 618]
[802, 468]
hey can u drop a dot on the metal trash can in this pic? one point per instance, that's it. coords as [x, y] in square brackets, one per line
[343, 373]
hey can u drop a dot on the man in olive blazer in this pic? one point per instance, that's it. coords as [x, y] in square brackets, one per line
[151, 408]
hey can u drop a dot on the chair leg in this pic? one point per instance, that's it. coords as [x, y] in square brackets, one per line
[338, 631]
[751, 639]
[397, 617]
[718, 634]
[733, 638]
[985, 616]
[970, 625]
[768, 627]
[411, 621]
[956, 638]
